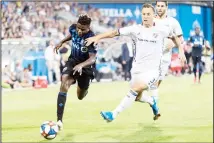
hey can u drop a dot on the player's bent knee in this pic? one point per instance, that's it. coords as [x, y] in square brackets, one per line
[138, 96]
[82, 93]
[66, 83]
[65, 78]
[63, 87]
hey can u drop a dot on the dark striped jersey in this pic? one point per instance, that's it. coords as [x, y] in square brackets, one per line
[79, 51]
[199, 40]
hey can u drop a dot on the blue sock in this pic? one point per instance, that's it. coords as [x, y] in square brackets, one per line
[61, 100]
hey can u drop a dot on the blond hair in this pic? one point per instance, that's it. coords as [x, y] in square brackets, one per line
[147, 5]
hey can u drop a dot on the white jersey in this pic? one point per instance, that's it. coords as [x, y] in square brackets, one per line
[147, 44]
[176, 28]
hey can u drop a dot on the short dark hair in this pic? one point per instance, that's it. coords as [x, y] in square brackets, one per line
[84, 19]
[166, 2]
[147, 5]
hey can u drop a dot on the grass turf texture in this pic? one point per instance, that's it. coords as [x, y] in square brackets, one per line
[186, 108]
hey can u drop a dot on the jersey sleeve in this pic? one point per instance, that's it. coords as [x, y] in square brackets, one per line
[177, 28]
[168, 32]
[127, 31]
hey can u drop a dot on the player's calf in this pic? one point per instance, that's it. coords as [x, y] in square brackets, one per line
[62, 96]
[81, 93]
[83, 85]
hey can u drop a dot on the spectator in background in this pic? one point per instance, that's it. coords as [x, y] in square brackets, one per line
[129, 45]
[8, 78]
[18, 71]
[206, 57]
[52, 62]
[188, 54]
[41, 19]
[197, 42]
[125, 60]
[26, 80]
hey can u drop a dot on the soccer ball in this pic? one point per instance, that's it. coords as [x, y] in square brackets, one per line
[49, 129]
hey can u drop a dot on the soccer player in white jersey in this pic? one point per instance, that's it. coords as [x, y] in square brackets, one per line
[162, 18]
[148, 40]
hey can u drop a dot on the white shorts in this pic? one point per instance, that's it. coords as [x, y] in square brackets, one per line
[164, 67]
[149, 78]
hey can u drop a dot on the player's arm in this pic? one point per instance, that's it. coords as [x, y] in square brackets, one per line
[177, 42]
[204, 43]
[109, 34]
[122, 31]
[90, 61]
[98, 37]
[176, 28]
[67, 38]
[92, 56]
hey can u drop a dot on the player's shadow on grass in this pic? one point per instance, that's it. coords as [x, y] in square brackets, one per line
[68, 137]
[145, 133]
[152, 133]
[20, 127]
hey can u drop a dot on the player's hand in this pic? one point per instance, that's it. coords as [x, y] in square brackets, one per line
[57, 47]
[78, 68]
[91, 40]
[182, 58]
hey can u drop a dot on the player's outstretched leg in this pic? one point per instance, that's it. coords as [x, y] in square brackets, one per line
[155, 93]
[124, 104]
[61, 100]
[136, 87]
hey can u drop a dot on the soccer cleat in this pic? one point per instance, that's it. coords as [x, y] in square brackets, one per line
[108, 116]
[156, 116]
[60, 125]
[155, 109]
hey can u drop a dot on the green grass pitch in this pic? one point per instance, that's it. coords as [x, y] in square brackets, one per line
[186, 108]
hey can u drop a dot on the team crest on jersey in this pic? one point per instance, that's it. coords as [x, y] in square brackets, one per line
[84, 49]
[155, 35]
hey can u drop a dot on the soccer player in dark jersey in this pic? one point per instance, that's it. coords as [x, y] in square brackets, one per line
[80, 65]
[198, 42]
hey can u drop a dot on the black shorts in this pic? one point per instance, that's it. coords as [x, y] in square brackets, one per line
[82, 80]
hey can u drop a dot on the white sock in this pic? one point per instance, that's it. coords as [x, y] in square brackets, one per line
[146, 98]
[155, 94]
[125, 103]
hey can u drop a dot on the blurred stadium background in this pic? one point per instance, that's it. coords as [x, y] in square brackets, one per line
[30, 29]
